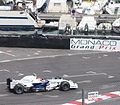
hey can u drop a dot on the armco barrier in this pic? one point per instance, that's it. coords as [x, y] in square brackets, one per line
[58, 42]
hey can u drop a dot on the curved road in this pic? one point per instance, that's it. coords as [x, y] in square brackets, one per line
[93, 71]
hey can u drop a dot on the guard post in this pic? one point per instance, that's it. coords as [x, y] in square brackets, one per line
[83, 97]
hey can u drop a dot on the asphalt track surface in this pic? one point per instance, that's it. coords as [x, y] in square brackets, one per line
[93, 71]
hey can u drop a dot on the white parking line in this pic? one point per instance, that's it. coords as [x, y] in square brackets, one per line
[4, 70]
[7, 53]
[5, 61]
[46, 71]
[94, 74]
[3, 95]
[20, 74]
[86, 57]
[1, 83]
[86, 81]
[110, 76]
[39, 51]
[1, 52]
[50, 56]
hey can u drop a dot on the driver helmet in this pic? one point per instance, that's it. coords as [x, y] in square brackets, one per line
[34, 74]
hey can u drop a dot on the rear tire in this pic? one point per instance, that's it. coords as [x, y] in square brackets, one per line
[8, 83]
[18, 89]
[64, 86]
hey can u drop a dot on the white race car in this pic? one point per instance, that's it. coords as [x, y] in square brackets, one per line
[31, 83]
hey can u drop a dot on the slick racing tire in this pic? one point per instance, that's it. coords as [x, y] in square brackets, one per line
[64, 86]
[18, 89]
[8, 82]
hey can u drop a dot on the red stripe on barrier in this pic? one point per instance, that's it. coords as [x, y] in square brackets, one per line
[99, 99]
[111, 95]
[76, 102]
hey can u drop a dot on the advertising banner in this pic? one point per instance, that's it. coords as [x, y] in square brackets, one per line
[94, 44]
[92, 96]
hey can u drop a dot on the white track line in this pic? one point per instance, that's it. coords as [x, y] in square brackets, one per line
[2, 52]
[86, 81]
[9, 54]
[51, 56]
[46, 71]
[1, 83]
[3, 95]
[70, 76]
[4, 70]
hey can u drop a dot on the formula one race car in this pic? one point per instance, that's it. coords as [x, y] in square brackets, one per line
[33, 84]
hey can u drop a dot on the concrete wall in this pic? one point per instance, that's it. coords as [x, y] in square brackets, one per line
[32, 42]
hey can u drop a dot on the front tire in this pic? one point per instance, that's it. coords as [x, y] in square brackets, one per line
[64, 86]
[18, 89]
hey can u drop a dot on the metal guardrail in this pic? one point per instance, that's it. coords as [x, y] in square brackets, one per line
[99, 18]
[47, 41]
